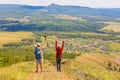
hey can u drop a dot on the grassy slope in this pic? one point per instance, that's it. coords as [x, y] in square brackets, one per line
[25, 71]
[84, 67]
[8, 37]
[115, 26]
[92, 67]
[87, 66]
[18, 71]
[114, 46]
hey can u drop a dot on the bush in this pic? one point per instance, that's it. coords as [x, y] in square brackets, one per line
[9, 56]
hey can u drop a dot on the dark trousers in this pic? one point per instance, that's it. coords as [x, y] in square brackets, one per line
[58, 62]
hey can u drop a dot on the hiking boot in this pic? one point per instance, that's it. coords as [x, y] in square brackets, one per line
[60, 70]
[36, 71]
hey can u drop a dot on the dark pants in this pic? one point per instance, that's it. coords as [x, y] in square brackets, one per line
[58, 62]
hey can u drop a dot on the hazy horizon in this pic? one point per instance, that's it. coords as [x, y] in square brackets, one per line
[86, 3]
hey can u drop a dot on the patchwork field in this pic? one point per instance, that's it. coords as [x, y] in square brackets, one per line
[8, 37]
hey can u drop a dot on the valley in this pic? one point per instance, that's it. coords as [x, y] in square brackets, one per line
[91, 35]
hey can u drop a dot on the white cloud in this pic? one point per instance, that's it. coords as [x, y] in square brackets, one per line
[89, 3]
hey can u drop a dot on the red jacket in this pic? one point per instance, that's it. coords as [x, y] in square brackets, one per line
[59, 50]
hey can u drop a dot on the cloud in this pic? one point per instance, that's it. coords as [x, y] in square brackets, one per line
[89, 3]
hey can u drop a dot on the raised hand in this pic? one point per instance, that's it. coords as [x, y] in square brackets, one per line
[45, 37]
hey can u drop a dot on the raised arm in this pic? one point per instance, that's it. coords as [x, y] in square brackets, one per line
[45, 43]
[56, 44]
[63, 44]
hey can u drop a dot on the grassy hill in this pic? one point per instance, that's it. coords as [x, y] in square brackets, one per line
[87, 56]
[18, 71]
[87, 66]
[114, 26]
[92, 67]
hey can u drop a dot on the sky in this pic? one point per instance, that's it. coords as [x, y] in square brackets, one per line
[87, 3]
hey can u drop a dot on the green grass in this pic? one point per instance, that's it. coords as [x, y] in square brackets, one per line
[113, 46]
[16, 72]
[83, 71]
[52, 56]
[73, 67]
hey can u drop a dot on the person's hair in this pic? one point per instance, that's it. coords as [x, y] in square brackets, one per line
[38, 45]
[59, 47]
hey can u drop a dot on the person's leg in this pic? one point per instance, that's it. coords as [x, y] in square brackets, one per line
[41, 67]
[40, 61]
[36, 66]
[57, 64]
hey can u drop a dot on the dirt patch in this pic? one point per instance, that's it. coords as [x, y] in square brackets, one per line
[49, 73]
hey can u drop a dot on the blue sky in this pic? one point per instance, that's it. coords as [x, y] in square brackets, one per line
[88, 3]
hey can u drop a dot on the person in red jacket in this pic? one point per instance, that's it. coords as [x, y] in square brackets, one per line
[59, 50]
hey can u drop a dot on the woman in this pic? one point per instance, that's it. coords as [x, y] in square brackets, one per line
[59, 50]
[38, 51]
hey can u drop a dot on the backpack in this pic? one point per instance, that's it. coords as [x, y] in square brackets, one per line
[37, 53]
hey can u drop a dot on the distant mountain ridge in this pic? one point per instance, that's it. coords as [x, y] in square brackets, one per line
[62, 9]
[14, 17]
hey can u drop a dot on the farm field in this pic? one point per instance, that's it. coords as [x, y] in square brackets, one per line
[67, 17]
[115, 26]
[8, 37]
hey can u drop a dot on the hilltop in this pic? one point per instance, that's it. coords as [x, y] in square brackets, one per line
[61, 9]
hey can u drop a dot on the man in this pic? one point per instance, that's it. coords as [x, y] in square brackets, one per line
[38, 51]
[59, 50]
